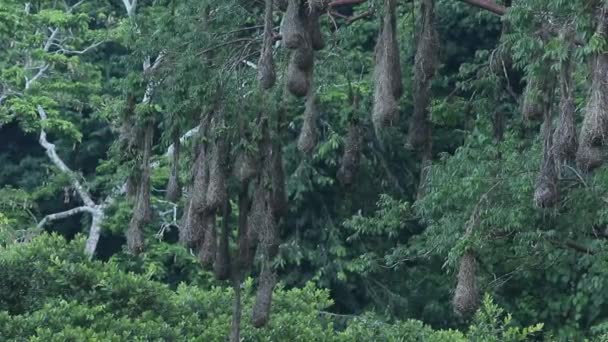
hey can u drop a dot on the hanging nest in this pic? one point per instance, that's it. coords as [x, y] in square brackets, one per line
[534, 99]
[293, 27]
[246, 250]
[546, 193]
[221, 267]
[208, 248]
[266, 68]
[245, 166]
[191, 226]
[314, 29]
[263, 298]
[564, 138]
[192, 229]
[349, 164]
[142, 212]
[426, 64]
[174, 187]
[387, 72]
[298, 81]
[594, 130]
[260, 214]
[308, 135]
[277, 179]
[303, 57]
[217, 192]
[466, 297]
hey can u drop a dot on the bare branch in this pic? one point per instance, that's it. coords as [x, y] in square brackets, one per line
[64, 214]
[487, 5]
[345, 2]
[28, 82]
[52, 153]
[182, 139]
[94, 231]
[65, 51]
[49, 41]
[130, 6]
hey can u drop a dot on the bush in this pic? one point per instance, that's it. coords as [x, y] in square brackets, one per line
[50, 291]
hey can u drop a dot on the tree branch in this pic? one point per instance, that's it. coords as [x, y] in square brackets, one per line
[96, 211]
[52, 153]
[77, 52]
[64, 214]
[182, 139]
[345, 2]
[487, 5]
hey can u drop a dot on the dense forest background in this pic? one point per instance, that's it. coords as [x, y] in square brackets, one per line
[306, 170]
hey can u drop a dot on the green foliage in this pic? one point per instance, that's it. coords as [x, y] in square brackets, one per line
[50, 291]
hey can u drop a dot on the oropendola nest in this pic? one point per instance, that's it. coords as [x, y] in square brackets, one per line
[466, 296]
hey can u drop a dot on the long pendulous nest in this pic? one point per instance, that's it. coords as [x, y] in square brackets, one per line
[349, 165]
[174, 187]
[263, 298]
[294, 29]
[564, 137]
[546, 192]
[308, 134]
[208, 247]
[217, 192]
[192, 228]
[302, 34]
[266, 68]
[466, 297]
[594, 131]
[426, 64]
[221, 267]
[246, 166]
[299, 81]
[535, 97]
[387, 72]
[142, 212]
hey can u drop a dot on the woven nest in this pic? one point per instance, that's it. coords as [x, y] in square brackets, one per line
[466, 296]
[216, 192]
[564, 138]
[308, 134]
[314, 28]
[387, 72]
[174, 187]
[426, 64]
[298, 81]
[266, 68]
[351, 158]
[142, 212]
[595, 125]
[190, 231]
[208, 248]
[546, 192]
[532, 106]
[245, 166]
[263, 298]
[277, 179]
[294, 29]
[260, 215]
[221, 267]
